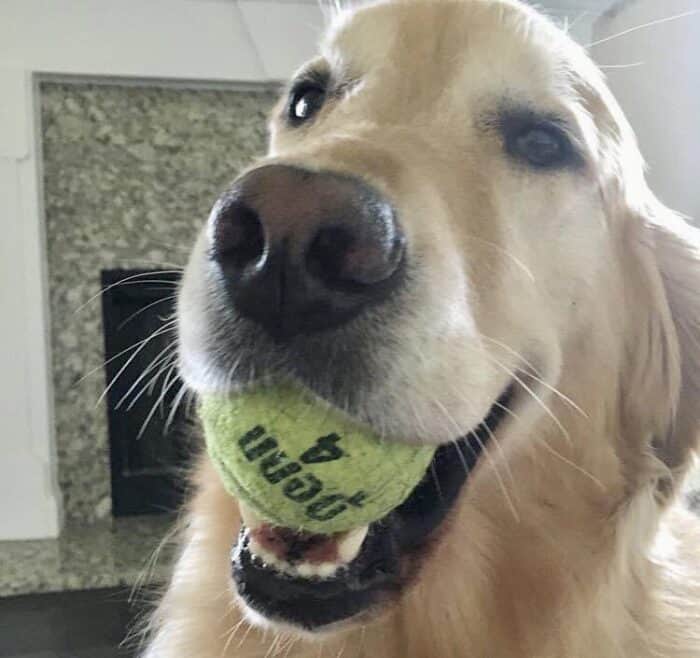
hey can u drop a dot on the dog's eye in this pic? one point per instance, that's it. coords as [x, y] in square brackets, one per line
[544, 146]
[305, 101]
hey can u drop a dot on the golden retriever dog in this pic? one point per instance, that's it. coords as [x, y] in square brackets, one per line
[452, 240]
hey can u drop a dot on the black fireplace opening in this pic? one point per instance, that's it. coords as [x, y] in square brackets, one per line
[147, 410]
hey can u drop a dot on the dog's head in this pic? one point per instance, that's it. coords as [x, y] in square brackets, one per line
[451, 236]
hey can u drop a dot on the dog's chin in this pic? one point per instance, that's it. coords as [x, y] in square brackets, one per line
[326, 583]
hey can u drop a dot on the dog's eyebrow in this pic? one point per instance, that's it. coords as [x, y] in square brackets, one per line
[513, 116]
[508, 113]
[509, 118]
[319, 73]
[316, 73]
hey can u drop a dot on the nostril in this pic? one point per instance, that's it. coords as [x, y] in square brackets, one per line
[238, 238]
[326, 256]
[341, 258]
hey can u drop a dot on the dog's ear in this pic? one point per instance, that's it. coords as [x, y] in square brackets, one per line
[677, 249]
[659, 387]
[660, 390]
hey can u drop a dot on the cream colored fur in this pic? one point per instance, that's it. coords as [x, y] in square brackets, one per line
[568, 540]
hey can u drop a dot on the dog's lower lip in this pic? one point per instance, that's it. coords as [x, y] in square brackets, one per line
[388, 557]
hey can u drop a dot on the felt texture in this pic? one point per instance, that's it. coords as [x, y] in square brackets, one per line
[302, 464]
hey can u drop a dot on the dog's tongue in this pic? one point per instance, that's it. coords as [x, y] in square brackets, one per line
[301, 553]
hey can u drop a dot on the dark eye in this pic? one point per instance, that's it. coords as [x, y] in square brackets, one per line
[544, 146]
[304, 102]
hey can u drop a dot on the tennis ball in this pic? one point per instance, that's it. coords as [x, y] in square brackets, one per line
[302, 464]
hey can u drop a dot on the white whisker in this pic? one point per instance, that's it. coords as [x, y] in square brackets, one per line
[572, 464]
[560, 395]
[166, 379]
[608, 67]
[497, 443]
[154, 334]
[570, 25]
[459, 431]
[231, 636]
[290, 646]
[153, 410]
[533, 395]
[644, 26]
[249, 628]
[164, 354]
[147, 388]
[501, 483]
[175, 406]
[143, 309]
[112, 358]
[271, 649]
[535, 374]
[130, 280]
[506, 253]
[151, 563]
[511, 351]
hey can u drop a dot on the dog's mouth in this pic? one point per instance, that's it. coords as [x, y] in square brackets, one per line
[314, 582]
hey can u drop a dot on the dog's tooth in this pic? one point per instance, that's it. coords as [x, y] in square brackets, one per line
[350, 545]
[305, 569]
[309, 570]
[258, 551]
[326, 569]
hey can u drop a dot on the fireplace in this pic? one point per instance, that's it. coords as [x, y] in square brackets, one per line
[130, 172]
[148, 442]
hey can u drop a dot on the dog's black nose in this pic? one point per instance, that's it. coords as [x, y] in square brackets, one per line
[304, 251]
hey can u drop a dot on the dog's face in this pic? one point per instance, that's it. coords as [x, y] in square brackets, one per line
[426, 233]
[471, 132]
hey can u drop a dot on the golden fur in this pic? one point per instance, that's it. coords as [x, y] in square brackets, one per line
[568, 540]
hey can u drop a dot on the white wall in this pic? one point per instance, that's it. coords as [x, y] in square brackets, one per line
[28, 502]
[660, 91]
[248, 40]
[192, 40]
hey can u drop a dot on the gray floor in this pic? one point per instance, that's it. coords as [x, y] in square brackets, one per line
[89, 624]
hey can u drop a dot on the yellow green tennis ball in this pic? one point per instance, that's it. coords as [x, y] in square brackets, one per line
[302, 464]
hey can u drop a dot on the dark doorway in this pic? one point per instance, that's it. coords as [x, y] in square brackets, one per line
[148, 441]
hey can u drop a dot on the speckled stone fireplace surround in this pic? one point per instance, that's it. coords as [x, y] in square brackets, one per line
[130, 172]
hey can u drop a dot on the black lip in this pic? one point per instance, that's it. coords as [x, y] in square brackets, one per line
[389, 556]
